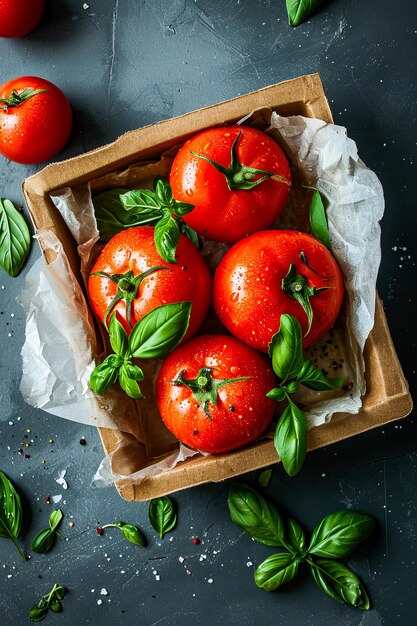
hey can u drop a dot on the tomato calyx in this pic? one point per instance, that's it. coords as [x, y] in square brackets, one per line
[239, 176]
[204, 387]
[296, 287]
[15, 98]
[127, 289]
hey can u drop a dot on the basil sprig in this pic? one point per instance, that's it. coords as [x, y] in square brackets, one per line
[50, 601]
[318, 219]
[337, 535]
[129, 532]
[300, 10]
[45, 539]
[286, 352]
[14, 238]
[155, 335]
[162, 515]
[10, 512]
[118, 209]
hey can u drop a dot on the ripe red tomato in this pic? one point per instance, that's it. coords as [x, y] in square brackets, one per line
[275, 272]
[19, 17]
[34, 127]
[203, 404]
[129, 254]
[234, 202]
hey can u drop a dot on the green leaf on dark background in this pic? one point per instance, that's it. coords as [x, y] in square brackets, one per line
[14, 238]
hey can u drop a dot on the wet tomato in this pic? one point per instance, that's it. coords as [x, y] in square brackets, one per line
[130, 277]
[275, 272]
[211, 393]
[19, 17]
[237, 177]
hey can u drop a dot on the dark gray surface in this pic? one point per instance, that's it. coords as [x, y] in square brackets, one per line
[124, 64]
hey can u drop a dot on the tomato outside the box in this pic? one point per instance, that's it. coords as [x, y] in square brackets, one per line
[222, 214]
[134, 250]
[248, 296]
[38, 128]
[19, 17]
[243, 411]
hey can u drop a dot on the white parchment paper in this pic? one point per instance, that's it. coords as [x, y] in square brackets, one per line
[58, 354]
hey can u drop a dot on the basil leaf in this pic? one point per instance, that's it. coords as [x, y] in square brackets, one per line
[162, 515]
[129, 385]
[38, 613]
[276, 394]
[167, 237]
[313, 378]
[144, 202]
[163, 191]
[258, 517]
[265, 478]
[43, 542]
[290, 438]
[133, 371]
[118, 336]
[295, 535]
[55, 519]
[182, 208]
[339, 533]
[55, 605]
[340, 583]
[10, 511]
[132, 534]
[160, 331]
[104, 376]
[286, 348]
[59, 592]
[300, 10]
[111, 215]
[189, 233]
[14, 238]
[318, 220]
[275, 571]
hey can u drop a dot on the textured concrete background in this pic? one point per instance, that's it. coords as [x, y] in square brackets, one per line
[124, 64]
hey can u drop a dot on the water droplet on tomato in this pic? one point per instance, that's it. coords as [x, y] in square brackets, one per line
[189, 192]
[233, 369]
[234, 296]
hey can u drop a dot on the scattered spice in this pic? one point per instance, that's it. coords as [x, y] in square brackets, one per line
[99, 530]
[83, 442]
[48, 500]
[196, 541]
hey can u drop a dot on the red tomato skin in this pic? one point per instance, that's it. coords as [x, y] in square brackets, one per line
[247, 293]
[19, 17]
[221, 214]
[228, 429]
[134, 249]
[36, 130]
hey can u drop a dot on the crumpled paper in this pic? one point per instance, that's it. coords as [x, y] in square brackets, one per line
[58, 353]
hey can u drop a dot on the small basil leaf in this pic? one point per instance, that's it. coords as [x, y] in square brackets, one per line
[167, 237]
[132, 534]
[300, 10]
[143, 201]
[111, 216]
[265, 478]
[118, 336]
[59, 592]
[38, 613]
[276, 394]
[318, 219]
[313, 378]
[103, 377]
[340, 583]
[129, 385]
[14, 238]
[339, 533]
[255, 515]
[291, 387]
[182, 208]
[160, 331]
[276, 570]
[290, 438]
[43, 542]
[10, 512]
[189, 233]
[55, 605]
[163, 191]
[133, 371]
[162, 515]
[286, 348]
[55, 519]
[295, 535]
